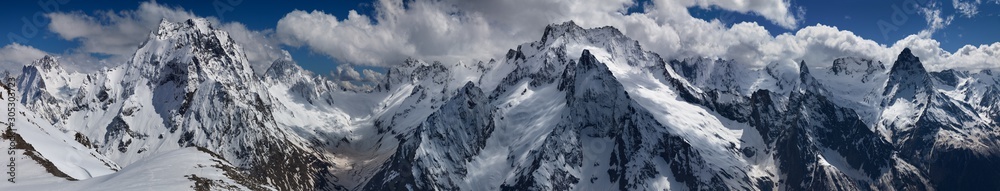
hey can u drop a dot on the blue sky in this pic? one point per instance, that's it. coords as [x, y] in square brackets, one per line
[884, 22]
[862, 17]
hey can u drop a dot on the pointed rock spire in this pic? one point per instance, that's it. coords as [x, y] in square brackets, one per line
[803, 69]
[807, 81]
[907, 79]
[906, 61]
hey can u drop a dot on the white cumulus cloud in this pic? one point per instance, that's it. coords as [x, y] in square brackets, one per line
[117, 34]
[345, 72]
[469, 30]
[14, 56]
[974, 57]
[113, 33]
[453, 30]
[373, 76]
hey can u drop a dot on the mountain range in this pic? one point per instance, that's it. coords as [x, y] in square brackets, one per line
[580, 109]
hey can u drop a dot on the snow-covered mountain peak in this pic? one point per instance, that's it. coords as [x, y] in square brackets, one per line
[412, 63]
[586, 70]
[46, 68]
[803, 69]
[807, 82]
[288, 73]
[570, 28]
[545, 60]
[44, 83]
[416, 71]
[553, 31]
[856, 83]
[804, 74]
[592, 82]
[908, 79]
[167, 29]
[571, 39]
[907, 62]
[283, 68]
[46, 63]
[589, 62]
[191, 51]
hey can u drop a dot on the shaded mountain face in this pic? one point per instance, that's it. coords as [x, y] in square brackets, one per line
[580, 109]
[934, 127]
[908, 80]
